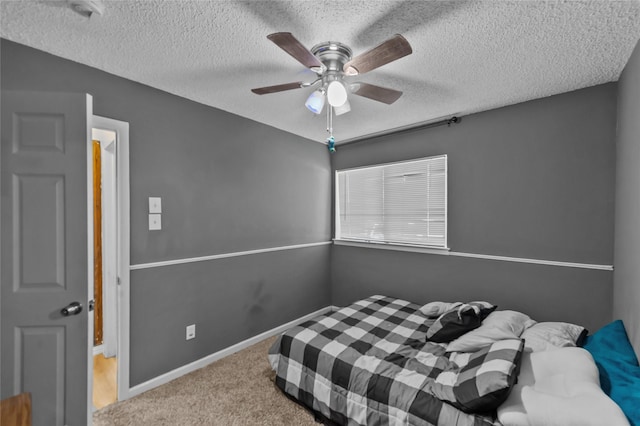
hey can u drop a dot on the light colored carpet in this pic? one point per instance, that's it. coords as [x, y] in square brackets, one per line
[236, 390]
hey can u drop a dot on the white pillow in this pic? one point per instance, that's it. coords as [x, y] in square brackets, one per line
[559, 388]
[498, 325]
[591, 407]
[545, 336]
[435, 309]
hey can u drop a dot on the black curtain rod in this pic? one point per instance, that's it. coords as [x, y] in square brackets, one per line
[447, 121]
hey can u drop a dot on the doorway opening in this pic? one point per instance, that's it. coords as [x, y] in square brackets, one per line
[110, 287]
[105, 391]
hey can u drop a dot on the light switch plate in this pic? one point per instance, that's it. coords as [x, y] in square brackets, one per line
[155, 222]
[155, 205]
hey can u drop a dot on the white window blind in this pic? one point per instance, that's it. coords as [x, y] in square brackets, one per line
[398, 203]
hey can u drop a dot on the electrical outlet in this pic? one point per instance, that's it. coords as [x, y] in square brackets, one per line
[191, 331]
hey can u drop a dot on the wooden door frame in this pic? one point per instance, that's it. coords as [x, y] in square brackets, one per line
[121, 128]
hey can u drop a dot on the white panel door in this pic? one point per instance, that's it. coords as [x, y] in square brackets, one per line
[44, 252]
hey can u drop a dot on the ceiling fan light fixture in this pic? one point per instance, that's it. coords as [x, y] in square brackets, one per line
[315, 102]
[342, 109]
[336, 93]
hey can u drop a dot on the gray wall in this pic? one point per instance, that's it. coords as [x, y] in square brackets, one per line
[227, 184]
[626, 301]
[229, 300]
[533, 180]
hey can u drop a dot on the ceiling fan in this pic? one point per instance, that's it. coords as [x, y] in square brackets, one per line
[332, 62]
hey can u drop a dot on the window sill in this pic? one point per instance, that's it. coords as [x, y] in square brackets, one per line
[392, 246]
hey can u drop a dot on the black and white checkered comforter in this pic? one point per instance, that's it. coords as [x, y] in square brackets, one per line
[369, 364]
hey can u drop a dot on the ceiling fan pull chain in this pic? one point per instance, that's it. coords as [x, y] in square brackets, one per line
[331, 142]
[329, 128]
[330, 120]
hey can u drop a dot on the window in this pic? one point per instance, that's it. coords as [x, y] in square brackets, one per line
[397, 203]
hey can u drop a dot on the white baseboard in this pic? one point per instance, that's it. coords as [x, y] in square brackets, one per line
[202, 362]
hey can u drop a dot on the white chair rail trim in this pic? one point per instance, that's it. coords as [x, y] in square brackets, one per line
[224, 255]
[447, 252]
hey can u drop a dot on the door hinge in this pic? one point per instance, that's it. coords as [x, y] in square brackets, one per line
[118, 280]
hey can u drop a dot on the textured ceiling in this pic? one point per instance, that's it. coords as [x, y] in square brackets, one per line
[468, 56]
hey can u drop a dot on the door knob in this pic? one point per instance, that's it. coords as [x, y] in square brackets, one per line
[74, 308]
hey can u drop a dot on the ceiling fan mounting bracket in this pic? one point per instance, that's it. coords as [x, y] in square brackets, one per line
[332, 54]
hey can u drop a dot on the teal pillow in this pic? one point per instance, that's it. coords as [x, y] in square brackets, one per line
[618, 367]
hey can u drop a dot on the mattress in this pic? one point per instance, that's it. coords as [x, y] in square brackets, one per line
[370, 363]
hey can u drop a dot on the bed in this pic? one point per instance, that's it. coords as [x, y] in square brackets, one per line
[387, 361]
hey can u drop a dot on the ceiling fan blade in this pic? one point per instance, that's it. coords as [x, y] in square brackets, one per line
[293, 47]
[377, 93]
[277, 88]
[394, 48]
